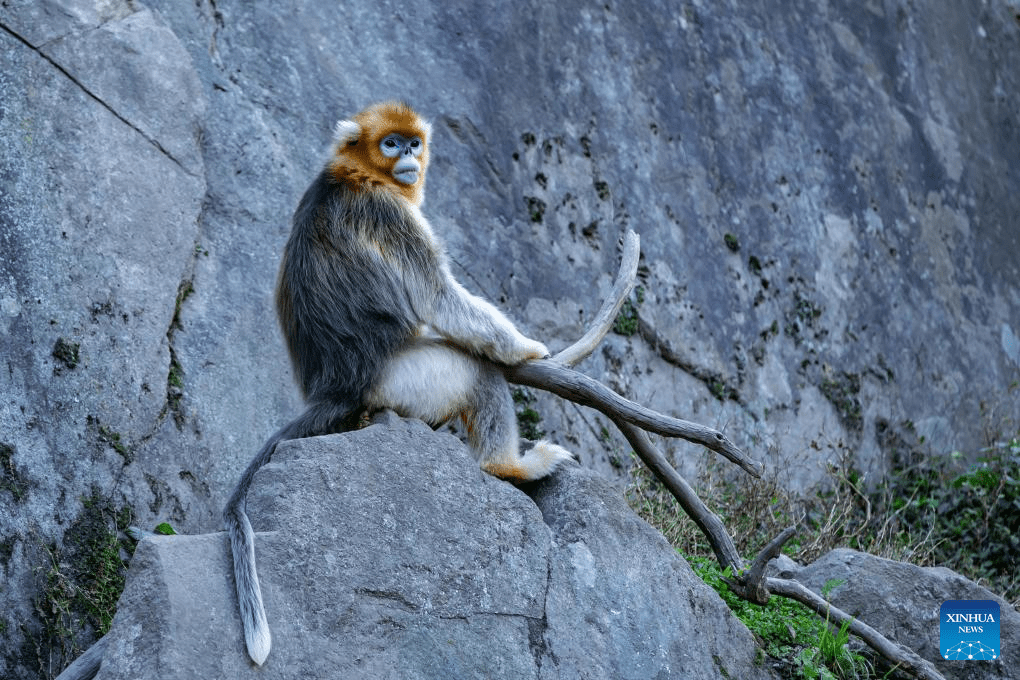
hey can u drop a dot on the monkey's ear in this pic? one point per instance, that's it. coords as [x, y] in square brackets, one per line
[345, 132]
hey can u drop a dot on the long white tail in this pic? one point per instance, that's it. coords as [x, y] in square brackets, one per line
[242, 545]
[249, 595]
[330, 416]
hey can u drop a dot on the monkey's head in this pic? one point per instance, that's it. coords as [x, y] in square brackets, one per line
[386, 146]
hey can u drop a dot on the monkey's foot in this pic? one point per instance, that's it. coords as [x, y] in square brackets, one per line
[539, 461]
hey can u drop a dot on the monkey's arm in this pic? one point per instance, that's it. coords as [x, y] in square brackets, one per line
[474, 324]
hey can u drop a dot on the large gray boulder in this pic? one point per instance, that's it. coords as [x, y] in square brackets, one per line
[826, 192]
[902, 601]
[387, 553]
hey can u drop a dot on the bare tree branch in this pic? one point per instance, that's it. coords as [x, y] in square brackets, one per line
[750, 584]
[603, 321]
[576, 387]
[635, 421]
[709, 523]
[87, 665]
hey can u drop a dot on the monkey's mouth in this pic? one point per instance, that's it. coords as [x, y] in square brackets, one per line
[406, 176]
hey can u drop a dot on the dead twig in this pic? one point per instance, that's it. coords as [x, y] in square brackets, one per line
[709, 523]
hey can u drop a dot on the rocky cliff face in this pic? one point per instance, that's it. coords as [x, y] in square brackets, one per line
[827, 198]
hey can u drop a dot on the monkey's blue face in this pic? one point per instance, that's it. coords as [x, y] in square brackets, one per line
[406, 150]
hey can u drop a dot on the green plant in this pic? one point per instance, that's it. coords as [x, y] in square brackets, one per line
[115, 441]
[939, 510]
[780, 625]
[528, 419]
[979, 518]
[790, 632]
[536, 208]
[82, 581]
[68, 353]
[930, 510]
[175, 378]
[10, 479]
[627, 321]
[843, 393]
[754, 264]
[184, 291]
[175, 374]
[831, 657]
[753, 510]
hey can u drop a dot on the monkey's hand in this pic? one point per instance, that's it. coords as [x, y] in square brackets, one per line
[525, 349]
[503, 344]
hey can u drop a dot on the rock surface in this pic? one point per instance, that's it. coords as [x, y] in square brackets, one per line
[386, 553]
[902, 602]
[826, 192]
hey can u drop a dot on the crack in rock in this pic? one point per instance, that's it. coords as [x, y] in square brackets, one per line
[53, 62]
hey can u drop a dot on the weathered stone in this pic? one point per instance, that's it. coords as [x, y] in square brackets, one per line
[902, 602]
[97, 230]
[386, 553]
[619, 597]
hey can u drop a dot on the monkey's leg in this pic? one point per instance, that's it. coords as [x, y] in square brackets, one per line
[434, 381]
[321, 418]
[493, 433]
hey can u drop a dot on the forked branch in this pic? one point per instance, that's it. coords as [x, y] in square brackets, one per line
[555, 375]
[634, 421]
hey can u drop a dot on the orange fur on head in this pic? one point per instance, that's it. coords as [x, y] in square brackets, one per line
[359, 163]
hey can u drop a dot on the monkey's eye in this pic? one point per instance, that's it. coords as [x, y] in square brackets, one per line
[391, 145]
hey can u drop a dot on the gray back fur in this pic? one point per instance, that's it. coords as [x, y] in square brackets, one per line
[344, 312]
